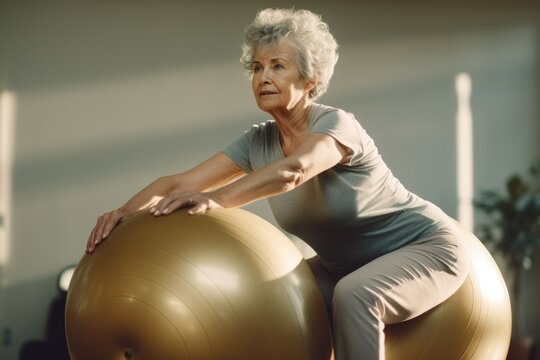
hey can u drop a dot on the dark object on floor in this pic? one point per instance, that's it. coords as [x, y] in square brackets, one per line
[54, 347]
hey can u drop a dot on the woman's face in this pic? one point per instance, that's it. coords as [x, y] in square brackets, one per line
[277, 84]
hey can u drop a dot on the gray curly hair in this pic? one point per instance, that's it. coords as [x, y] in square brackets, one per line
[316, 48]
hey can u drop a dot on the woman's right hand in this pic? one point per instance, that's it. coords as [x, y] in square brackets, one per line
[104, 225]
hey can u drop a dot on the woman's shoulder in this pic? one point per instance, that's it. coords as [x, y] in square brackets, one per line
[324, 116]
[320, 111]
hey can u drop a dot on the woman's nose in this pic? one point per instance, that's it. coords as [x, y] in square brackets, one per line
[265, 77]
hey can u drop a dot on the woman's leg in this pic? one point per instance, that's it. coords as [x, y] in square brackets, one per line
[325, 281]
[393, 288]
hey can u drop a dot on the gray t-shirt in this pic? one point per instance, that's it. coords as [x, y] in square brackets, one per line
[351, 213]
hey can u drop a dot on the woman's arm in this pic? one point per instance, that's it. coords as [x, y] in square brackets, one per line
[316, 154]
[214, 172]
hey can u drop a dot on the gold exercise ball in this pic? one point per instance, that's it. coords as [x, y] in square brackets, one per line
[223, 285]
[473, 324]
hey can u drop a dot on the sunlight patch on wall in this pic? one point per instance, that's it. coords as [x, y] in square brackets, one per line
[464, 131]
[7, 132]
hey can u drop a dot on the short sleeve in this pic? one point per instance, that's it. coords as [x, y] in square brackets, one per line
[250, 151]
[344, 128]
[238, 151]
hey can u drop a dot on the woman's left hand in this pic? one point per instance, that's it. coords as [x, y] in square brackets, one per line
[197, 202]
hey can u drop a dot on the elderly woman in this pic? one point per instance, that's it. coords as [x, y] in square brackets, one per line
[384, 254]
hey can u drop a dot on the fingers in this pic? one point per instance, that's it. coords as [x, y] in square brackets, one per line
[198, 203]
[171, 203]
[95, 236]
[104, 225]
[90, 243]
[198, 208]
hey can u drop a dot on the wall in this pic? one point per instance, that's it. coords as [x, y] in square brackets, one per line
[112, 94]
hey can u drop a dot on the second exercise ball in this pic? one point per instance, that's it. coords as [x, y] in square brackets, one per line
[223, 285]
[474, 323]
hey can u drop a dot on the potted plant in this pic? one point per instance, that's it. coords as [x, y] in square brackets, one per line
[512, 230]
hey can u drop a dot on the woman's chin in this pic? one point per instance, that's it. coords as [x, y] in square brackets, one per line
[266, 106]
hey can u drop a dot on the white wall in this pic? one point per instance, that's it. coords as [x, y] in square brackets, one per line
[112, 94]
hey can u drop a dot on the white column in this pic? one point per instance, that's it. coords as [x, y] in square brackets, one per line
[464, 131]
[7, 132]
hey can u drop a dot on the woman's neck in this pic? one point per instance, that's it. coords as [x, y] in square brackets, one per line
[293, 122]
[292, 126]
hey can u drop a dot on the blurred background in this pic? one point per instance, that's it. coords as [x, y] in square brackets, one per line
[98, 98]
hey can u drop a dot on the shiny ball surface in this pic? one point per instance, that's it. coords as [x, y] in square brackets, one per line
[475, 323]
[223, 285]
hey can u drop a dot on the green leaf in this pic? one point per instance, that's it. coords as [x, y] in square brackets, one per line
[515, 187]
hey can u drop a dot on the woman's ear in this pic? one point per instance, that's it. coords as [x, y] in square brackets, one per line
[310, 84]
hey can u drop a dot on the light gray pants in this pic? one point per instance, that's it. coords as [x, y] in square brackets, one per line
[393, 288]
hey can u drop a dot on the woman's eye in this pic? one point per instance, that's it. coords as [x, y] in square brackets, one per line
[278, 66]
[257, 68]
